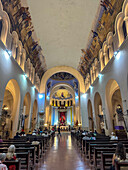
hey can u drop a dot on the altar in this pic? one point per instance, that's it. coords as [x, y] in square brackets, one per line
[62, 117]
[64, 128]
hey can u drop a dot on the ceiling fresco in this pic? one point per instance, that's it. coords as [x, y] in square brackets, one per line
[62, 76]
[62, 94]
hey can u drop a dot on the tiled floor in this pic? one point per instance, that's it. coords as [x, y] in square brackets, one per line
[63, 156]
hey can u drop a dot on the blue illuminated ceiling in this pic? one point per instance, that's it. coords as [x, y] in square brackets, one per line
[62, 78]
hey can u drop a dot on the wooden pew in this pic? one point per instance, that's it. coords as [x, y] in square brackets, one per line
[121, 164]
[17, 163]
[92, 146]
[26, 145]
[20, 150]
[88, 142]
[106, 160]
[25, 160]
[97, 154]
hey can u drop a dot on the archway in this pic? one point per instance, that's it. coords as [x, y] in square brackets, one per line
[65, 69]
[34, 114]
[62, 100]
[114, 100]
[26, 111]
[58, 69]
[10, 108]
[90, 116]
[98, 112]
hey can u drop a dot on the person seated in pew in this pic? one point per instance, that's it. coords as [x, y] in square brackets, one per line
[29, 133]
[113, 136]
[22, 133]
[34, 132]
[1, 139]
[35, 142]
[17, 136]
[2, 159]
[119, 155]
[86, 137]
[28, 140]
[11, 155]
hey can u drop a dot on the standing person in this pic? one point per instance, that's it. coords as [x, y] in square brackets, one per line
[2, 159]
[59, 131]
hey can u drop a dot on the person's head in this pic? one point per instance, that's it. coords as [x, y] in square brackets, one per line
[17, 134]
[11, 149]
[2, 157]
[113, 134]
[120, 151]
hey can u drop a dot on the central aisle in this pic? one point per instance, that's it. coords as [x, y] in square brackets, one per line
[63, 155]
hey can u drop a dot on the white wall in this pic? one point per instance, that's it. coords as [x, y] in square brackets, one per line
[116, 69]
[9, 69]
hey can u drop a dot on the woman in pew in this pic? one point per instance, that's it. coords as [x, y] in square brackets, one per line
[119, 155]
[11, 155]
[2, 159]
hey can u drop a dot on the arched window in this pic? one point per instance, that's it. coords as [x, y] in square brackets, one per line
[60, 103]
[53, 103]
[71, 102]
[16, 52]
[108, 53]
[1, 25]
[103, 60]
[68, 102]
[56, 102]
[124, 30]
[64, 103]
[112, 46]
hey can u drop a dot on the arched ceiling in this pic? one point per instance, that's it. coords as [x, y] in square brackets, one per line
[62, 27]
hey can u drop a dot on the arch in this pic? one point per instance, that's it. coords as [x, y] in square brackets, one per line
[101, 59]
[96, 64]
[13, 90]
[57, 102]
[19, 53]
[27, 106]
[125, 8]
[58, 69]
[113, 98]
[34, 114]
[90, 116]
[67, 86]
[110, 44]
[14, 44]
[4, 29]
[119, 27]
[23, 59]
[98, 111]
[105, 50]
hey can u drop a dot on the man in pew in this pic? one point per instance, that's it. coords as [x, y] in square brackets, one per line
[2, 159]
[17, 136]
